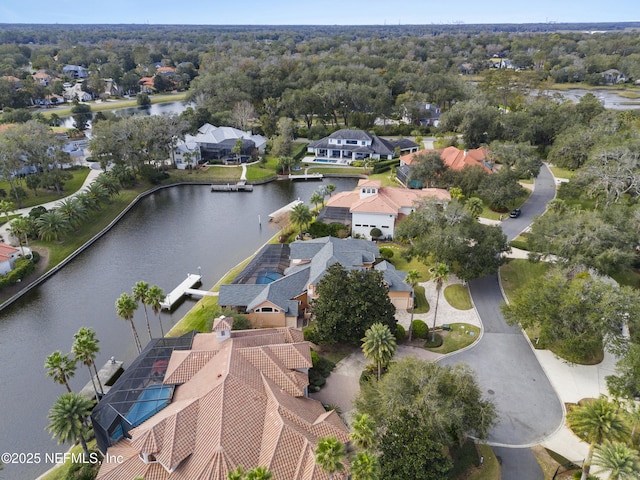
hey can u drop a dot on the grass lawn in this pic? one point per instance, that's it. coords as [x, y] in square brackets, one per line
[491, 215]
[549, 462]
[490, 469]
[458, 337]
[337, 170]
[401, 263]
[60, 250]
[45, 196]
[458, 296]
[516, 273]
[422, 306]
[629, 276]
[223, 174]
[335, 353]
[386, 179]
[467, 463]
[562, 172]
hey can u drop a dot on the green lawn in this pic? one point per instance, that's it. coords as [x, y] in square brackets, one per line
[61, 472]
[491, 215]
[458, 337]
[516, 273]
[458, 296]
[45, 196]
[336, 170]
[562, 172]
[401, 263]
[422, 306]
[489, 470]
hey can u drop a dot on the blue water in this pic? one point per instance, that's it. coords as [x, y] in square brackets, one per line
[265, 278]
[152, 399]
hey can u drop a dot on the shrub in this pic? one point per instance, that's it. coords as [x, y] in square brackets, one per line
[365, 376]
[435, 343]
[420, 329]
[309, 334]
[385, 165]
[400, 333]
[22, 268]
[386, 253]
[241, 322]
[375, 233]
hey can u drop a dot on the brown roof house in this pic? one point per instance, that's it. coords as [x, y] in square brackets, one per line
[227, 399]
[373, 206]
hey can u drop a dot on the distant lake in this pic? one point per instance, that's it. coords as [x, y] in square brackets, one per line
[176, 107]
[610, 99]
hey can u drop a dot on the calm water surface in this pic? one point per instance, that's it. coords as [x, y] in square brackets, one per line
[165, 237]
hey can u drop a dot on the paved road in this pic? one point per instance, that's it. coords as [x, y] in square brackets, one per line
[507, 369]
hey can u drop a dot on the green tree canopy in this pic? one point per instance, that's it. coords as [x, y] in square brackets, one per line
[348, 303]
[379, 346]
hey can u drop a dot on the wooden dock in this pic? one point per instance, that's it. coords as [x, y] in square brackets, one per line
[287, 208]
[307, 176]
[181, 290]
[241, 186]
[107, 374]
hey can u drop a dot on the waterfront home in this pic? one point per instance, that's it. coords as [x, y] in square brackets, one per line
[278, 286]
[232, 398]
[8, 255]
[371, 206]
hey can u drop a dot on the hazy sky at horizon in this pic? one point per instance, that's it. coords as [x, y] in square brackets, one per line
[325, 12]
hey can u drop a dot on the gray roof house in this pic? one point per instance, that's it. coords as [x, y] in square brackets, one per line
[285, 300]
[75, 71]
[346, 145]
[216, 143]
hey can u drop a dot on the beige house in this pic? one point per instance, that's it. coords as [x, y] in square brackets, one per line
[240, 399]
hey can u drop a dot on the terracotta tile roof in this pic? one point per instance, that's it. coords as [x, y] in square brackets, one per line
[455, 158]
[241, 403]
[7, 252]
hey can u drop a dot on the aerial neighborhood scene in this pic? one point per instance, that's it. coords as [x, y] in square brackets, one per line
[287, 241]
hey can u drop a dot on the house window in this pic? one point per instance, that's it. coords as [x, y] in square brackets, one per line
[364, 143]
[351, 142]
[385, 226]
[339, 142]
[266, 310]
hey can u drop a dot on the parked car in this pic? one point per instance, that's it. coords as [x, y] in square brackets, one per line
[515, 213]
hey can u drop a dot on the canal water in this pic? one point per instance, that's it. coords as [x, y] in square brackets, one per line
[174, 232]
[155, 109]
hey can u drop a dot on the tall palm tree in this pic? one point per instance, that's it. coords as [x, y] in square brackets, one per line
[363, 431]
[20, 228]
[595, 422]
[440, 274]
[61, 368]
[379, 345]
[621, 461]
[300, 215]
[365, 466]
[141, 294]
[329, 455]
[330, 188]
[155, 296]
[7, 207]
[85, 348]
[67, 419]
[316, 199]
[412, 280]
[258, 473]
[125, 307]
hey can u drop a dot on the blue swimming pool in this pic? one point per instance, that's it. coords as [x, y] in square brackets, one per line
[152, 399]
[325, 160]
[267, 277]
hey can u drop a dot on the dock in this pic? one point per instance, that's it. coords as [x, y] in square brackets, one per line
[181, 290]
[107, 375]
[241, 186]
[307, 176]
[287, 208]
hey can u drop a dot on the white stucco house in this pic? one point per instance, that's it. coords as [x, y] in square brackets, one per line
[373, 206]
[8, 255]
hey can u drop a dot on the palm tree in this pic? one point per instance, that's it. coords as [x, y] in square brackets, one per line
[155, 296]
[440, 274]
[330, 188]
[125, 306]
[109, 183]
[595, 422]
[316, 199]
[258, 473]
[301, 215]
[237, 474]
[20, 228]
[85, 348]
[379, 345]
[474, 205]
[98, 193]
[619, 459]
[73, 210]
[365, 466]
[52, 225]
[363, 430]
[61, 368]
[412, 280]
[7, 207]
[67, 419]
[329, 454]
[141, 294]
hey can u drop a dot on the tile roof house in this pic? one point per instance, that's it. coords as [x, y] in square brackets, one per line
[8, 255]
[453, 158]
[240, 399]
[218, 142]
[285, 300]
[345, 146]
[373, 206]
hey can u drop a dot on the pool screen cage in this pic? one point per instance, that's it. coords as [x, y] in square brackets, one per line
[268, 265]
[139, 392]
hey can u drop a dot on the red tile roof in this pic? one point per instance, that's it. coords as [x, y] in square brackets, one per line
[455, 158]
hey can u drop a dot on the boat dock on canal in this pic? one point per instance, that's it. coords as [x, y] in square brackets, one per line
[185, 288]
[287, 208]
[108, 374]
[241, 186]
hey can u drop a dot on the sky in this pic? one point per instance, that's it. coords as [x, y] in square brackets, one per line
[315, 12]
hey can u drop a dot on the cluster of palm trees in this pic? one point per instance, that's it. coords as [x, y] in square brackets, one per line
[68, 417]
[302, 215]
[126, 305]
[70, 213]
[605, 425]
[330, 453]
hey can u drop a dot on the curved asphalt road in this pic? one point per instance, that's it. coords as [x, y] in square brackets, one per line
[507, 370]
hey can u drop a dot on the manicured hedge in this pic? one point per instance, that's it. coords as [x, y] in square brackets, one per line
[385, 165]
[420, 329]
[400, 333]
[22, 268]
